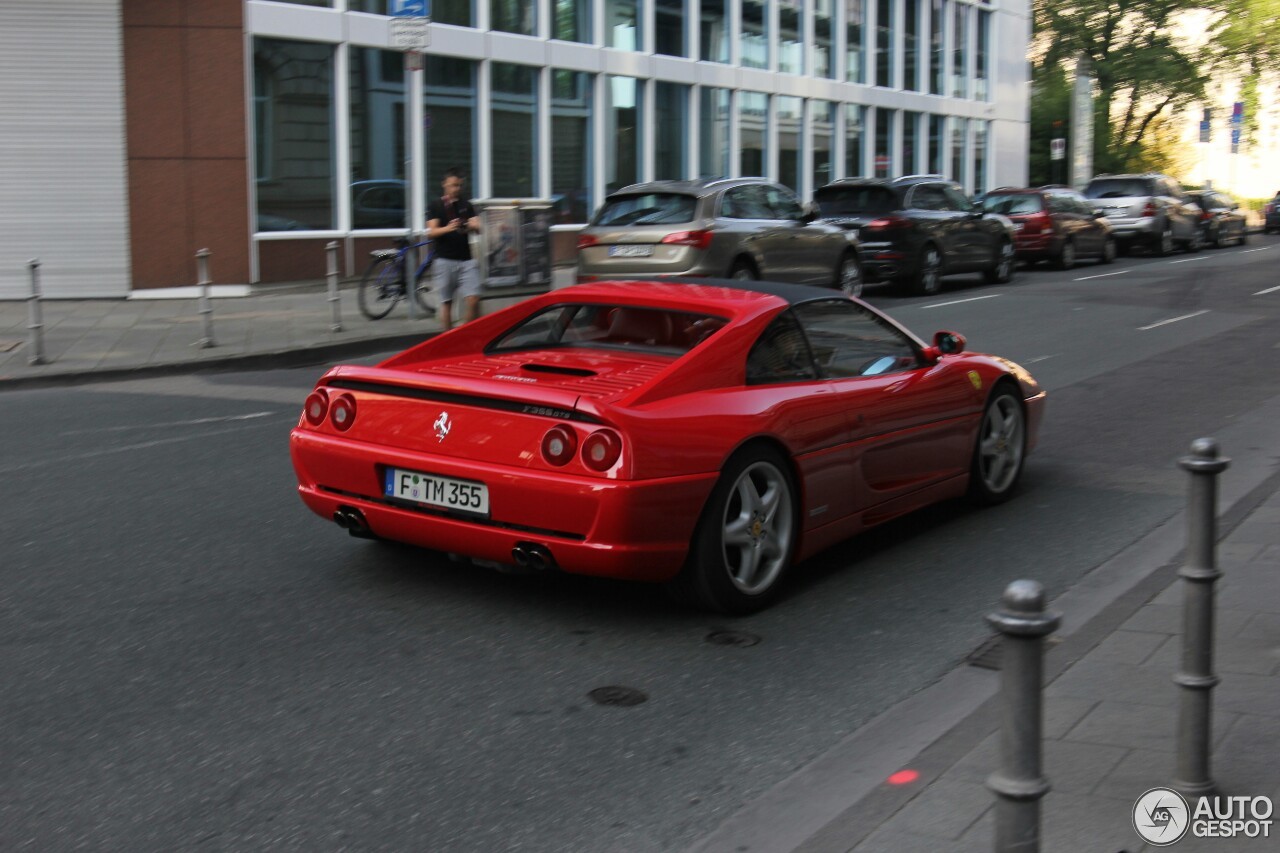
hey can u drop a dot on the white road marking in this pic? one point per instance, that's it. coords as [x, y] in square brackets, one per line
[1173, 320]
[1102, 275]
[1259, 249]
[196, 422]
[1038, 359]
[1268, 290]
[110, 451]
[958, 301]
[1189, 260]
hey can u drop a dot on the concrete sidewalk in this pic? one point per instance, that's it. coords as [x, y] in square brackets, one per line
[1110, 704]
[272, 326]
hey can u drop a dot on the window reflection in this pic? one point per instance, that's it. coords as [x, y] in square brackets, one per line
[713, 37]
[855, 121]
[513, 16]
[753, 128]
[571, 149]
[572, 20]
[791, 36]
[713, 133]
[755, 35]
[514, 144]
[671, 129]
[910, 142]
[937, 137]
[823, 120]
[884, 143]
[854, 15]
[621, 24]
[668, 27]
[622, 131]
[449, 118]
[293, 126]
[937, 49]
[910, 45]
[790, 127]
[884, 42]
[982, 60]
[823, 66]
[979, 128]
[959, 53]
[377, 108]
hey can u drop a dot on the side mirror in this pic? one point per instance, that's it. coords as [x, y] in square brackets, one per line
[949, 343]
[809, 214]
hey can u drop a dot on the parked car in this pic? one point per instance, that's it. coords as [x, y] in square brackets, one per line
[1147, 210]
[1271, 215]
[1055, 224]
[740, 228]
[378, 204]
[1220, 218]
[702, 433]
[918, 228]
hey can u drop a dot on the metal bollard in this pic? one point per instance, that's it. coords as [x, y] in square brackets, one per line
[1019, 783]
[1196, 678]
[35, 316]
[334, 299]
[206, 307]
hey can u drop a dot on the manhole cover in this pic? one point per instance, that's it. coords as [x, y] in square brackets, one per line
[618, 696]
[724, 637]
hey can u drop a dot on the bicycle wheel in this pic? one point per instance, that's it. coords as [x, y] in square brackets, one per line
[380, 288]
[422, 293]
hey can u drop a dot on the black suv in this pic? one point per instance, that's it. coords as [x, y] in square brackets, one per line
[918, 228]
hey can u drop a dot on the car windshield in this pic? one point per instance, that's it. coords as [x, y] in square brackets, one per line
[1011, 204]
[628, 327]
[843, 201]
[1118, 188]
[647, 209]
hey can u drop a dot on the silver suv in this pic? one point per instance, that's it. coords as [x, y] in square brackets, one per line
[1148, 210]
[743, 228]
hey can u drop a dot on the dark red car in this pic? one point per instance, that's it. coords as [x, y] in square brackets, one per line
[1055, 224]
[705, 435]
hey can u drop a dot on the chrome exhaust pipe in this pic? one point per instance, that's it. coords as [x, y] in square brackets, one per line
[340, 519]
[353, 521]
[520, 556]
[537, 557]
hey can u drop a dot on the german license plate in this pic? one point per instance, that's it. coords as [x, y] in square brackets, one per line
[434, 490]
[630, 251]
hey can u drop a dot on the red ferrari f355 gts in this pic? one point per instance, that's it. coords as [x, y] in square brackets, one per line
[705, 434]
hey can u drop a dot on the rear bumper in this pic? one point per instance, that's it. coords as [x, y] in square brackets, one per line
[633, 530]
[1037, 246]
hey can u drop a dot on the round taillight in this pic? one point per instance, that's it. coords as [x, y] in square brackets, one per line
[342, 412]
[316, 407]
[601, 449]
[559, 444]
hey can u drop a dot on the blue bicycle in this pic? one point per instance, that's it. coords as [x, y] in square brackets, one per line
[385, 281]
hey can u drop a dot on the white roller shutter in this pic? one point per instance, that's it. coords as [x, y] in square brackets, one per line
[63, 179]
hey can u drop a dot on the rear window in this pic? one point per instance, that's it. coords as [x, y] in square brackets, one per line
[1011, 204]
[843, 201]
[1119, 188]
[612, 327]
[647, 209]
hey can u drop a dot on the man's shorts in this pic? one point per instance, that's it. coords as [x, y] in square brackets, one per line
[460, 277]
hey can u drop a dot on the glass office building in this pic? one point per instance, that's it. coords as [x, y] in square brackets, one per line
[289, 124]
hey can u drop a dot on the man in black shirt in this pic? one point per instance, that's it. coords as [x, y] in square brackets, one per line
[450, 219]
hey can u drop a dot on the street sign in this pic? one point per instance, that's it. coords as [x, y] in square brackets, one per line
[1237, 112]
[409, 8]
[1057, 149]
[1235, 140]
[410, 33]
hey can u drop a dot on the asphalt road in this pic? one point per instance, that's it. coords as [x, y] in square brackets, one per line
[193, 660]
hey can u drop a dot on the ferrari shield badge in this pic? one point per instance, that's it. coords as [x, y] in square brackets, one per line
[976, 380]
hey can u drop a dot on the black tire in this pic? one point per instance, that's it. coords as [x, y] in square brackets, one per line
[1109, 251]
[1163, 246]
[380, 289]
[422, 292]
[1001, 270]
[849, 275]
[714, 577]
[1215, 238]
[743, 270]
[1244, 235]
[927, 279]
[1067, 257]
[1000, 448]
[1195, 242]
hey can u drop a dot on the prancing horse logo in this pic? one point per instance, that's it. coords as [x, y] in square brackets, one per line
[442, 426]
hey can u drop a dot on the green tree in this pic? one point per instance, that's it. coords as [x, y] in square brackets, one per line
[1143, 73]
[1050, 117]
[1245, 41]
